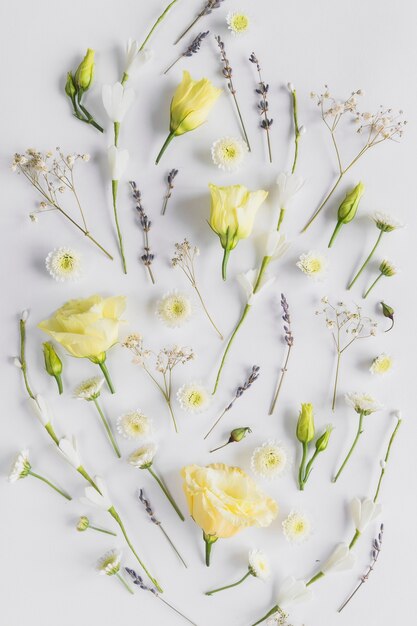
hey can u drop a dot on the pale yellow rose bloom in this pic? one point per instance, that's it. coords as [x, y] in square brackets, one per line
[232, 215]
[223, 500]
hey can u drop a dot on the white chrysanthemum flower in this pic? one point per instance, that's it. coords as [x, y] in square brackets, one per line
[228, 153]
[269, 460]
[133, 425]
[259, 564]
[364, 512]
[21, 466]
[143, 457]
[385, 222]
[89, 389]
[193, 397]
[363, 402]
[237, 22]
[296, 527]
[312, 264]
[381, 364]
[174, 309]
[341, 559]
[109, 563]
[63, 264]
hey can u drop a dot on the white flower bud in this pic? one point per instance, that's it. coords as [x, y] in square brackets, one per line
[398, 414]
[17, 362]
[291, 87]
[383, 464]
[302, 130]
[25, 315]
[40, 409]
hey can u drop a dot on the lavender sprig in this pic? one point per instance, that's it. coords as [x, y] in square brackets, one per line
[239, 392]
[138, 580]
[227, 73]
[209, 6]
[193, 48]
[146, 224]
[148, 508]
[170, 179]
[376, 549]
[289, 340]
[263, 105]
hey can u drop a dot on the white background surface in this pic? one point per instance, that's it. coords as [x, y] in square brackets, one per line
[47, 567]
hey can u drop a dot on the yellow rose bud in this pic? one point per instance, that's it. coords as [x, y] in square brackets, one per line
[305, 425]
[85, 72]
[232, 215]
[323, 441]
[348, 209]
[53, 363]
[190, 106]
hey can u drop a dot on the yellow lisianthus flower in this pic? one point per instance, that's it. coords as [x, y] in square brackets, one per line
[223, 500]
[232, 215]
[190, 106]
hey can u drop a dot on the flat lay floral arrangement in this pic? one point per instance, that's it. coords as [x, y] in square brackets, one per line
[222, 500]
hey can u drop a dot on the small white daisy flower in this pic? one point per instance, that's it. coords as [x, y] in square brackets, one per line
[89, 389]
[296, 527]
[363, 402]
[63, 264]
[193, 397]
[109, 563]
[21, 466]
[174, 309]
[269, 460]
[385, 222]
[143, 457]
[133, 425]
[381, 364]
[259, 564]
[228, 153]
[312, 264]
[237, 22]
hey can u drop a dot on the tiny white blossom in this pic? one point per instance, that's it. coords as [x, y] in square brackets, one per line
[109, 563]
[341, 559]
[363, 403]
[174, 309]
[68, 449]
[288, 186]
[381, 364]
[363, 512]
[296, 527]
[143, 457]
[237, 22]
[259, 564]
[385, 222]
[21, 466]
[270, 460]
[312, 264]
[89, 389]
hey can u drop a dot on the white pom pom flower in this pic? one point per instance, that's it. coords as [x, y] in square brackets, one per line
[63, 264]
[270, 460]
[133, 425]
[296, 527]
[228, 153]
[174, 309]
[193, 397]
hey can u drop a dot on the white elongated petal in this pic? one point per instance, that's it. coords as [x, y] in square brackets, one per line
[363, 512]
[288, 186]
[340, 560]
[132, 49]
[40, 409]
[276, 245]
[117, 101]
[69, 449]
[248, 280]
[102, 500]
[293, 591]
[118, 160]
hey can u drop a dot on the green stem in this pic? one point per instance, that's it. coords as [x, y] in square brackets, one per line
[114, 188]
[116, 127]
[106, 375]
[207, 313]
[125, 78]
[90, 119]
[354, 539]
[22, 327]
[296, 129]
[103, 530]
[45, 480]
[158, 21]
[335, 233]
[220, 447]
[336, 379]
[116, 516]
[176, 611]
[50, 430]
[187, 30]
[210, 593]
[209, 540]
[265, 617]
[367, 292]
[165, 146]
[281, 217]
[301, 471]
[171, 412]
[166, 492]
[107, 427]
[236, 330]
[381, 476]
[225, 261]
[315, 578]
[59, 383]
[280, 381]
[244, 129]
[171, 543]
[369, 257]
[355, 441]
[309, 465]
[124, 583]
[322, 205]
[87, 477]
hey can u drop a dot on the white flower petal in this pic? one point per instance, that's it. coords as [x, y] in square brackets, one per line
[288, 186]
[341, 559]
[69, 449]
[118, 160]
[293, 591]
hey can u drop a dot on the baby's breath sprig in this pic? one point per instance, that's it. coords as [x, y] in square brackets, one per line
[375, 128]
[227, 73]
[146, 224]
[193, 48]
[289, 340]
[52, 176]
[184, 258]
[263, 106]
[209, 6]
[239, 392]
[170, 179]
[342, 321]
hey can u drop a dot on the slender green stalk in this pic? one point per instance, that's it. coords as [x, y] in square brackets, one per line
[23, 364]
[207, 313]
[107, 427]
[176, 611]
[124, 583]
[315, 578]
[386, 459]
[58, 380]
[281, 217]
[229, 345]
[226, 255]
[210, 593]
[103, 530]
[166, 492]
[116, 127]
[355, 441]
[297, 133]
[158, 21]
[322, 205]
[335, 233]
[301, 471]
[171, 543]
[114, 187]
[336, 378]
[187, 30]
[367, 292]
[209, 540]
[265, 617]
[280, 381]
[309, 465]
[369, 257]
[165, 146]
[354, 539]
[87, 477]
[48, 482]
[106, 375]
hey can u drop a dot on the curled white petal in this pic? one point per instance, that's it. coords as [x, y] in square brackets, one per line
[69, 450]
[248, 280]
[117, 100]
[118, 160]
[363, 512]
[293, 591]
[288, 185]
[341, 559]
[40, 409]
[102, 499]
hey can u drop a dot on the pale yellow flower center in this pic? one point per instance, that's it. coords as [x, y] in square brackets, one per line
[239, 23]
[229, 152]
[66, 263]
[195, 398]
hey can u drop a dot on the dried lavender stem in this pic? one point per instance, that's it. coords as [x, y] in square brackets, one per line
[265, 110]
[193, 48]
[280, 381]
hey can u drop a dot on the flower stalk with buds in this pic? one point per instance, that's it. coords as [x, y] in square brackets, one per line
[388, 312]
[170, 180]
[386, 268]
[289, 340]
[192, 49]
[347, 210]
[209, 6]
[53, 364]
[299, 131]
[263, 106]
[236, 435]
[147, 257]
[77, 84]
[258, 568]
[305, 434]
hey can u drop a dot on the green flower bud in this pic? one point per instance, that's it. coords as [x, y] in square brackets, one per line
[323, 440]
[387, 269]
[305, 426]
[348, 209]
[70, 88]
[388, 312]
[53, 363]
[84, 74]
[238, 434]
[83, 523]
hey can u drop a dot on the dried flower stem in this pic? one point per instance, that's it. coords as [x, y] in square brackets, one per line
[146, 224]
[208, 8]
[289, 340]
[156, 24]
[227, 73]
[170, 179]
[368, 258]
[297, 132]
[263, 106]
[193, 48]
[114, 189]
[353, 446]
[166, 492]
[107, 428]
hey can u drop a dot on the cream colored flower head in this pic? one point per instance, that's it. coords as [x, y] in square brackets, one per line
[312, 264]
[21, 466]
[238, 22]
[143, 457]
[259, 564]
[83, 523]
[193, 397]
[385, 222]
[296, 527]
[174, 309]
[89, 389]
[269, 460]
[63, 264]
[381, 364]
[109, 563]
[228, 153]
[387, 268]
[363, 403]
[133, 425]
